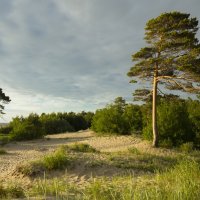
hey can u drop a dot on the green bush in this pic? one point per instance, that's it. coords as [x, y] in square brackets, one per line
[173, 122]
[56, 160]
[4, 139]
[194, 117]
[187, 147]
[26, 128]
[5, 129]
[118, 118]
[54, 125]
[11, 191]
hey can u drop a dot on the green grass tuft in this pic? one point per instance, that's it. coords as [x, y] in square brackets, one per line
[81, 147]
[54, 161]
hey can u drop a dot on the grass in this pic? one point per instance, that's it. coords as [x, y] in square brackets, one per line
[4, 139]
[141, 162]
[180, 182]
[82, 147]
[55, 161]
[11, 191]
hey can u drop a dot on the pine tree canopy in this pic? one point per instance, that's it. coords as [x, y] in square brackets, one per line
[172, 49]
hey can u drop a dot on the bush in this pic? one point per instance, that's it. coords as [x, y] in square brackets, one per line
[194, 117]
[4, 139]
[173, 122]
[11, 191]
[5, 130]
[187, 147]
[54, 125]
[57, 160]
[54, 161]
[26, 128]
[118, 118]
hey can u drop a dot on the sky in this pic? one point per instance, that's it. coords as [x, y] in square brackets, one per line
[73, 55]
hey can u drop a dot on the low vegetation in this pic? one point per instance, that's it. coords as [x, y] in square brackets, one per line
[179, 182]
[81, 147]
[55, 161]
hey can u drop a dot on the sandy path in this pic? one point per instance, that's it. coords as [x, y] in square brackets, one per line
[20, 152]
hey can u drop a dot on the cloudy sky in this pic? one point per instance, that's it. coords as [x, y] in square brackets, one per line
[72, 55]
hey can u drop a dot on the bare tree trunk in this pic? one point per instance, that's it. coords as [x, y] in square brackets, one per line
[154, 109]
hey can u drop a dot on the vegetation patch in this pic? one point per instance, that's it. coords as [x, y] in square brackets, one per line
[145, 163]
[180, 182]
[11, 191]
[3, 151]
[56, 161]
[82, 147]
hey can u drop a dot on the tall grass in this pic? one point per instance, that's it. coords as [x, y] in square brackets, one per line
[54, 161]
[181, 182]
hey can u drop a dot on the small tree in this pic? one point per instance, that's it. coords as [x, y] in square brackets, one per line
[172, 57]
[3, 99]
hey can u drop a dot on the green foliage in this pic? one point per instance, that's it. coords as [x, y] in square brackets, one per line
[174, 125]
[194, 117]
[171, 56]
[178, 182]
[26, 128]
[57, 160]
[5, 130]
[187, 147]
[4, 139]
[134, 150]
[11, 191]
[81, 147]
[118, 118]
[3, 99]
[170, 47]
[53, 124]
[35, 126]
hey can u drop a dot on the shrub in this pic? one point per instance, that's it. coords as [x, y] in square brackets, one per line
[26, 128]
[173, 123]
[187, 147]
[54, 125]
[56, 160]
[5, 130]
[118, 118]
[194, 117]
[11, 191]
[4, 139]
[81, 147]
[134, 150]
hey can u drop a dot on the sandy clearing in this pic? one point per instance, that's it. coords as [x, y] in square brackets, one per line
[21, 152]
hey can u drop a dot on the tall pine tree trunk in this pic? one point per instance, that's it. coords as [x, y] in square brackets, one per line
[154, 109]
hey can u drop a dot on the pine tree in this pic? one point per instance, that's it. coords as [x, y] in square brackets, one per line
[3, 99]
[171, 57]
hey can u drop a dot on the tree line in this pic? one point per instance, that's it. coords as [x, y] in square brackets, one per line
[36, 126]
[178, 120]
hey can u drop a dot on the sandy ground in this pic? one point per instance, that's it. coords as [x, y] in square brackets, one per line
[20, 152]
